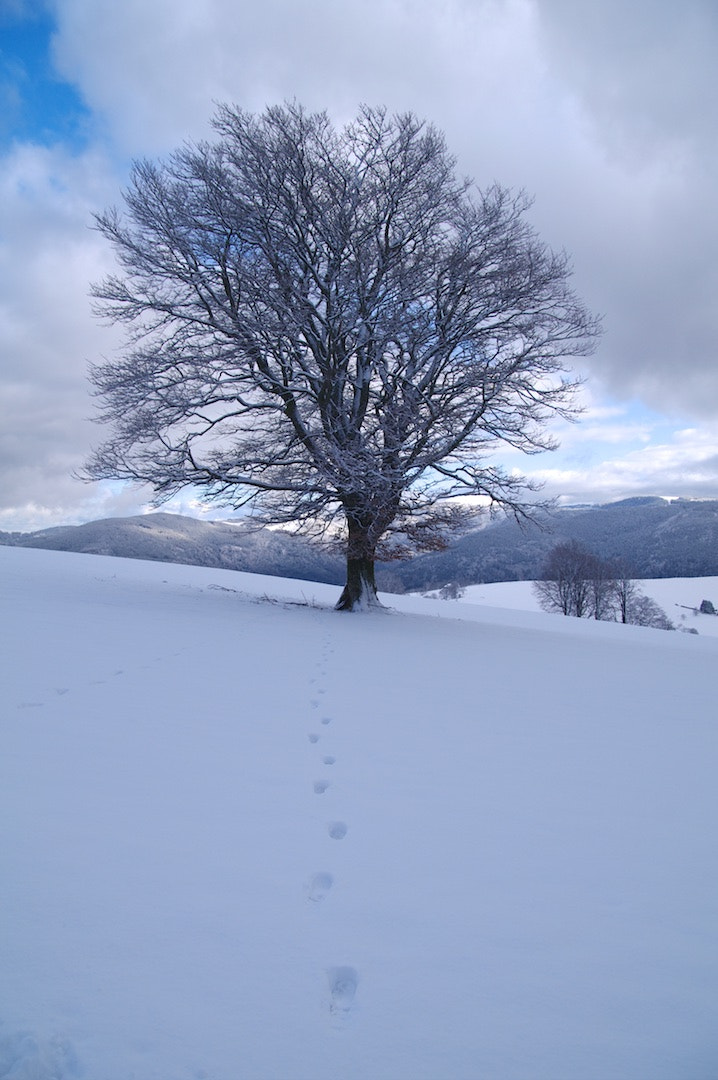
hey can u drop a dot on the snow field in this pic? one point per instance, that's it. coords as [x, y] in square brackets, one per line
[244, 838]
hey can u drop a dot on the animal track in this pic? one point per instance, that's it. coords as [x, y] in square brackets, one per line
[313, 738]
[319, 886]
[326, 720]
[320, 786]
[337, 830]
[343, 982]
[328, 760]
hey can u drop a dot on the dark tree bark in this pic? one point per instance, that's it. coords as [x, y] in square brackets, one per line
[359, 593]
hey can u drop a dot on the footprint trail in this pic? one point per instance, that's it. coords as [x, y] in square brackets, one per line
[343, 980]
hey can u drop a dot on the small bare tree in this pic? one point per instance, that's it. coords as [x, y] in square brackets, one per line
[328, 323]
[601, 588]
[625, 591]
[566, 580]
[576, 582]
[643, 611]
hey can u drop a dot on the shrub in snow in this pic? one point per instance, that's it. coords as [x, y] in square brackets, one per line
[451, 591]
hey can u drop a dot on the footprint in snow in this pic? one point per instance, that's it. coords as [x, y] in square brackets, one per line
[319, 885]
[320, 786]
[328, 760]
[326, 720]
[343, 982]
[313, 738]
[337, 830]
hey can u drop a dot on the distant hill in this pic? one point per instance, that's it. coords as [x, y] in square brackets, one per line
[173, 538]
[657, 538]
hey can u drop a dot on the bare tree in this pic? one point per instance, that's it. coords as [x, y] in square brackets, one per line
[601, 588]
[625, 591]
[330, 325]
[576, 582]
[643, 611]
[631, 604]
[565, 583]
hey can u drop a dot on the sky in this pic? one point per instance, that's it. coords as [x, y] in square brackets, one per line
[605, 113]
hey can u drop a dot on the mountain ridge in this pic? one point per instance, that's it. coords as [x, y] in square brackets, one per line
[654, 536]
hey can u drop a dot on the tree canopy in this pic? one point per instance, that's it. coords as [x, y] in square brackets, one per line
[331, 324]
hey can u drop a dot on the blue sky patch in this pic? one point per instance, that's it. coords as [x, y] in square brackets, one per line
[36, 104]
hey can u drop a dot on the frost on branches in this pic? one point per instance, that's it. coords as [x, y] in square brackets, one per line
[330, 325]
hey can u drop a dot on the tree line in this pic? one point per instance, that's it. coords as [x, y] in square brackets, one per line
[576, 582]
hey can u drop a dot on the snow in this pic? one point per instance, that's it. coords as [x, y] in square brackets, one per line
[680, 598]
[245, 837]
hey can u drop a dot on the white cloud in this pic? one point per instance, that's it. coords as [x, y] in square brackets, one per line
[686, 465]
[152, 70]
[48, 255]
[530, 92]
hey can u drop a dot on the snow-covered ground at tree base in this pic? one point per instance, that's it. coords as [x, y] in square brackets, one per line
[244, 837]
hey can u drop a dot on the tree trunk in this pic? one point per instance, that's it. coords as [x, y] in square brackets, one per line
[359, 593]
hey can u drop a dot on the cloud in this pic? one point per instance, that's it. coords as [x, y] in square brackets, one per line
[601, 110]
[48, 255]
[645, 71]
[154, 69]
[645, 80]
[685, 465]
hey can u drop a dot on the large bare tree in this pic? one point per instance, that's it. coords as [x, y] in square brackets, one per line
[332, 325]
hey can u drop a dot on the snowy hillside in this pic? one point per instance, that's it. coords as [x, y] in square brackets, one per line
[680, 598]
[247, 838]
